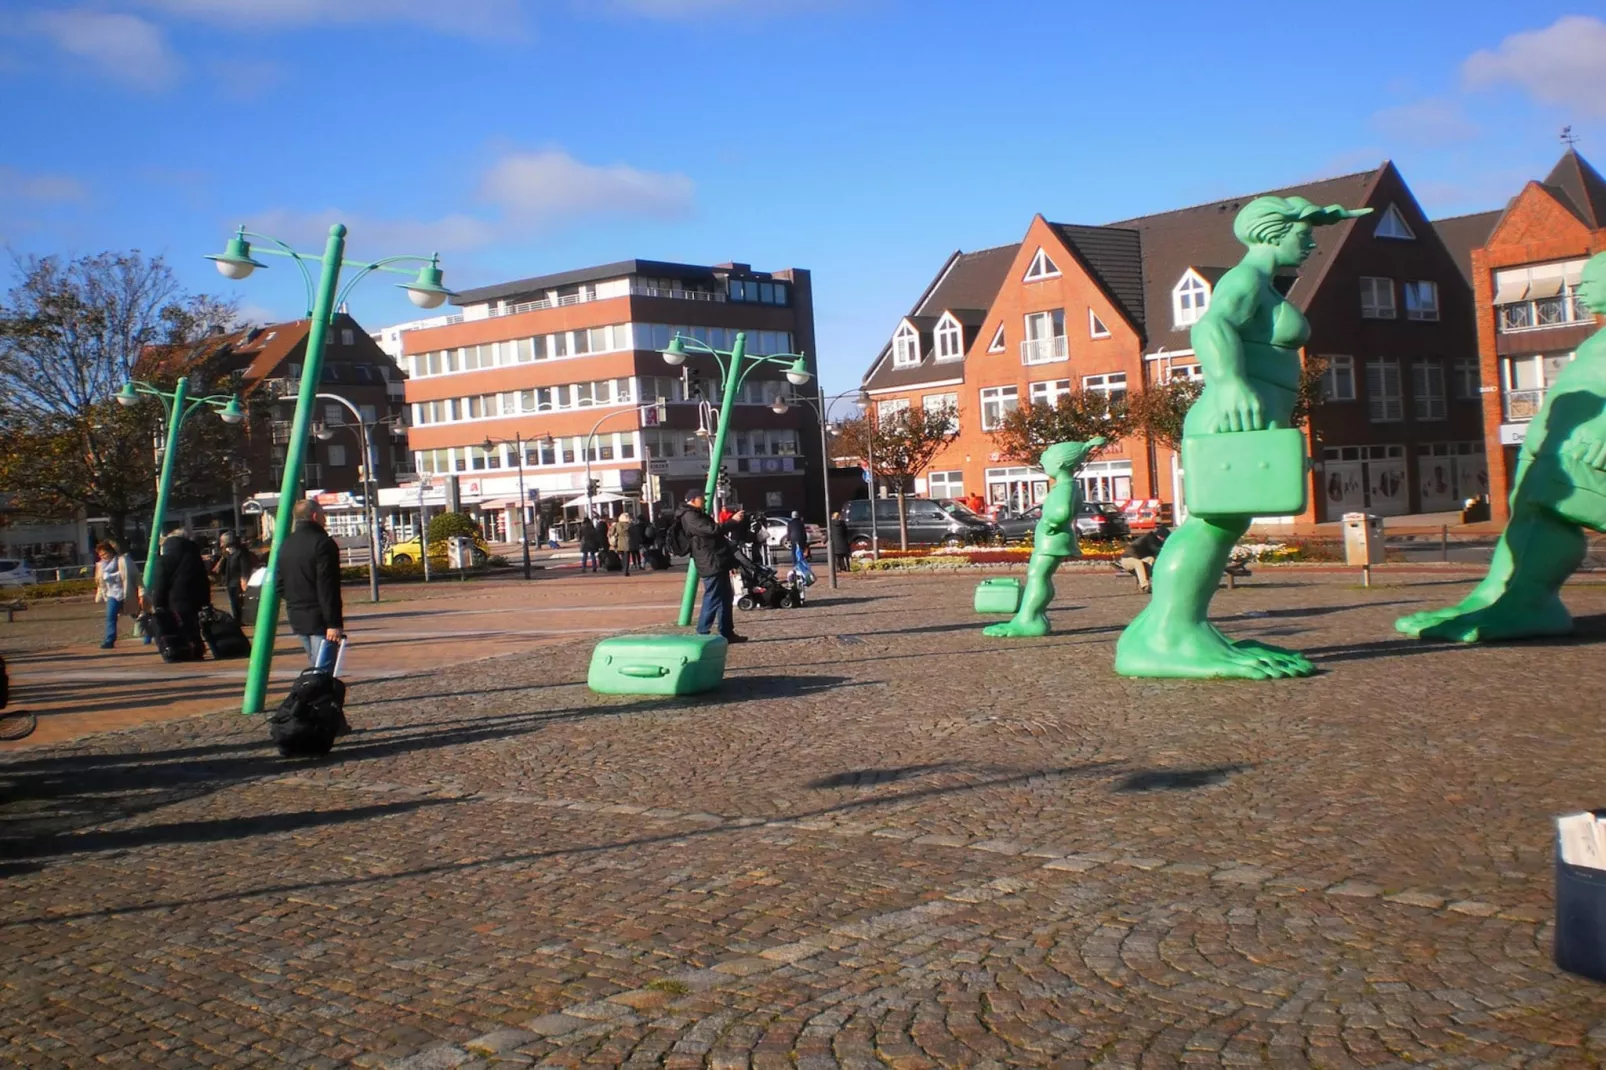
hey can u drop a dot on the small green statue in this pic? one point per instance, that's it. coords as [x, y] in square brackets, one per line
[1053, 540]
[1248, 343]
[1559, 490]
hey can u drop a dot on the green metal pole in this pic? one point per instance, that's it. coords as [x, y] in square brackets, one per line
[728, 383]
[175, 418]
[267, 624]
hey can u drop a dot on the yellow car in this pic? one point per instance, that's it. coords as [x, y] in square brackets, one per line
[405, 553]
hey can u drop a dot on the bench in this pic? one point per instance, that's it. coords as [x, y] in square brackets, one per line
[13, 608]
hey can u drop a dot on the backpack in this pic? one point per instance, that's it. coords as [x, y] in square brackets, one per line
[676, 541]
[312, 714]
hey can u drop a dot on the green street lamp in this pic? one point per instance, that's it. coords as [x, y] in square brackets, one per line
[323, 298]
[821, 405]
[176, 408]
[734, 364]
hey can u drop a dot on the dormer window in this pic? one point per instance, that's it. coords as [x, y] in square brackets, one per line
[1393, 225]
[1041, 267]
[1189, 299]
[997, 344]
[950, 339]
[905, 347]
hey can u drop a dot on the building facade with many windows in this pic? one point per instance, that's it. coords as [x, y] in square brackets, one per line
[568, 367]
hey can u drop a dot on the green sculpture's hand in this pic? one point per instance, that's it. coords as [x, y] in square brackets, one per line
[1588, 451]
[1238, 407]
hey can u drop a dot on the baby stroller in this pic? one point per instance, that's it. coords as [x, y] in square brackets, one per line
[760, 587]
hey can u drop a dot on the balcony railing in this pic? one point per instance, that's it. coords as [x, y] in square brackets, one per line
[678, 295]
[590, 295]
[1524, 404]
[1043, 350]
[1541, 313]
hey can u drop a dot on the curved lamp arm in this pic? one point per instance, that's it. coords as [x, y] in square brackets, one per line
[367, 267]
[299, 258]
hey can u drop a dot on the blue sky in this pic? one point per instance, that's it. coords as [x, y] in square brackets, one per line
[862, 139]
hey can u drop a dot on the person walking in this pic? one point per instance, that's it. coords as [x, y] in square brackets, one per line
[590, 543]
[619, 540]
[637, 538]
[714, 556]
[181, 586]
[309, 580]
[841, 542]
[233, 567]
[116, 585]
[798, 534]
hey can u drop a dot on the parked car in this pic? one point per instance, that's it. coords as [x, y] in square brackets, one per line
[929, 523]
[776, 539]
[1094, 520]
[16, 573]
[405, 553]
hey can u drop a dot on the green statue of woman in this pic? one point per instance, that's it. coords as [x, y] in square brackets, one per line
[1053, 540]
[1559, 491]
[1248, 344]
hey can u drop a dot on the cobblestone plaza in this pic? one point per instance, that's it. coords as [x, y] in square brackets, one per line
[887, 841]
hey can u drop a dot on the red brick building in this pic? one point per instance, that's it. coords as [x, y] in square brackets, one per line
[1528, 320]
[1109, 308]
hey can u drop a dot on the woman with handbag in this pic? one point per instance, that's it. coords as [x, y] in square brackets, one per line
[116, 585]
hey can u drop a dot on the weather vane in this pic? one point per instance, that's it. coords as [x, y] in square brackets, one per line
[1569, 138]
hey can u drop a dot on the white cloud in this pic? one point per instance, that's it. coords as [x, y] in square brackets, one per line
[550, 186]
[1562, 64]
[378, 237]
[460, 16]
[18, 185]
[125, 48]
[1426, 122]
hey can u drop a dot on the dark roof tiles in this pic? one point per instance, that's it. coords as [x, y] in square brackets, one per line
[1580, 187]
[1463, 233]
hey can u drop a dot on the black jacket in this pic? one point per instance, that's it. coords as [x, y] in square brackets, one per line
[181, 584]
[309, 580]
[1146, 546]
[710, 549]
[841, 542]
[636, 538]
[797, 532]
[236, 567]
[590, 538]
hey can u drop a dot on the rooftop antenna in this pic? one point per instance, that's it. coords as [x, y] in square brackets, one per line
[1569, 138]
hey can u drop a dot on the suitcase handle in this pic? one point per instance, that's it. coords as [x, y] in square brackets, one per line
[648, 671]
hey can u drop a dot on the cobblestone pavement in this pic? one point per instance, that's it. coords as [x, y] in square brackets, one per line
[888, 841]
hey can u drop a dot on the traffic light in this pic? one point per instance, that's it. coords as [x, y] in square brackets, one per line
[591, 487]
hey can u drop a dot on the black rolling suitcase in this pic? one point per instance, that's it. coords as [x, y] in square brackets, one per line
[312, 714]
[656, 559]
[223, 635]
[171, 644]
[611, 561]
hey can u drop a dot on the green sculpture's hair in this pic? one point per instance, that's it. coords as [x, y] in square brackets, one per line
[1063, 456]
[1265, 220]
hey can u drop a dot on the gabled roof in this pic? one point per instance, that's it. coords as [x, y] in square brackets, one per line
[1463, 233]
[965, 286]
[1580, 188]
[1113, 257]
[256, 353]
[1201, 237]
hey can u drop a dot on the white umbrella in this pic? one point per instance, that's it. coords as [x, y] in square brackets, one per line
[600, 498]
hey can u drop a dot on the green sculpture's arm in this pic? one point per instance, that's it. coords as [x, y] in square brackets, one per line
[1218, 343]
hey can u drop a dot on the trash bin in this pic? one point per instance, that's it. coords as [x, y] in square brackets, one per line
[459, 551]
[1363, 539]
[253, 596]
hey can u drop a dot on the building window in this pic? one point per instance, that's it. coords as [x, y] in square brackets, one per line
[1427, 390]
[886, 410]
[1393, 225]
[1045, 338]
[1545, 295]
[337, 456]
[1338, 381]
[950, 339]
[997, 344]
[998, 402]
[1189, 299]
[348, 336]
[941, 485]
[934, 404]
[905, 347]
[1049, 392]
[1186, 373]
[1383, 391]
[1422, 300]
[1464, 379]
[1041, 267]
[1526, 380]
[1112, 386]
[1095, 326]
[1377, 298]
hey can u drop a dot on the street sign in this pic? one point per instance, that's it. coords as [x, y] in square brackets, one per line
[657, 467]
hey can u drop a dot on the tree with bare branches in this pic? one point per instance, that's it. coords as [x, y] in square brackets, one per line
[1079, 416]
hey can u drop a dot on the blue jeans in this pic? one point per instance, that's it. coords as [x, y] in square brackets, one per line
[321, 656]
[717, 602]
[588, 557]
[800, 560]
[114, 607]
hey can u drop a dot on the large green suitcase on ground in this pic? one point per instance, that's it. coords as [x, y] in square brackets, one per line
[1000, 595]
[1246, 473]
[657, 664]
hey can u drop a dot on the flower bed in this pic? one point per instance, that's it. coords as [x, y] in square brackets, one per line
[963, 556]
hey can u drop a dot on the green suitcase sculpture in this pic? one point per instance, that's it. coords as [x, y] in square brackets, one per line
[1252, 473]
[657, 664]
[1000, 595]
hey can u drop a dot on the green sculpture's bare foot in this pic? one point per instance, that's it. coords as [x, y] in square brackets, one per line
[1505, 619]
[1196, 650]
[1415, 624]
[1019, 628]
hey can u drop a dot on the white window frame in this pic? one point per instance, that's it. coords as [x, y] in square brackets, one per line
[1421, 300]
[997, 345]
[1190, 298]
[1108, 384]
[949, 338]
[1044, 348]
[1331, 381]
[1392, 225]
[905, 346]
[997, 402]
[1041, 267]
[1384, 406]
[930, 403]
[1190, 373]
[1048, 392]
[1095, 326]
[1429, 400]
[952, 484]
[887, 409]
[1372, 305]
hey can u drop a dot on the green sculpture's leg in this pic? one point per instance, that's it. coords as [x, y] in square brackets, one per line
[1031, 621]
[1520, 598]
[1173, 638]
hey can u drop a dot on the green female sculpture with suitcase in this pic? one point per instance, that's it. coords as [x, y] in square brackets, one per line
[1241, 457]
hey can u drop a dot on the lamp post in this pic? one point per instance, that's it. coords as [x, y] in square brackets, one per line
[733, 368]
[869, 470]
[524, 505]
[237, 262]
[176, 406]
[821, 405]
[593, 434]
[324, 433]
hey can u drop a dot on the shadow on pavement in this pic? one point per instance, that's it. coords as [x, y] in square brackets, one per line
[869, 778]
[1313, 611]
[1178, 779]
